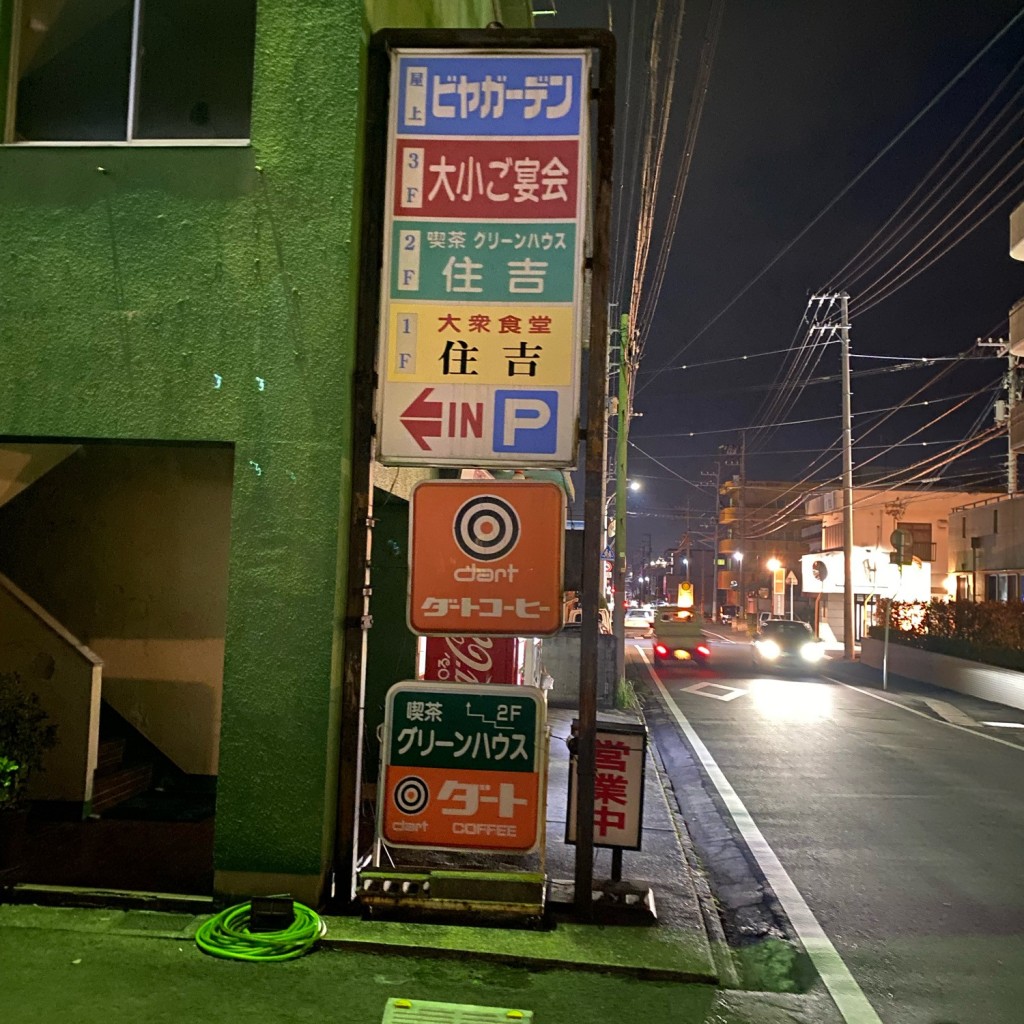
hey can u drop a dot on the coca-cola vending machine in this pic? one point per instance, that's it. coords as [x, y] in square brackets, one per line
[471, 659]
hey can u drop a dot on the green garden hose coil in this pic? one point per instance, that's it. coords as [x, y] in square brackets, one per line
[227, 935]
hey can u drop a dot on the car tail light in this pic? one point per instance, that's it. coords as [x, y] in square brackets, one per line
[661, 648]
[706, 651]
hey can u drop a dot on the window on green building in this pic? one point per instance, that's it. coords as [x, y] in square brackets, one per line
[131, 70]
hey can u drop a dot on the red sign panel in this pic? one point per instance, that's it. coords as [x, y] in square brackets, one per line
[471, 659]
[532, 179]
[486, 558]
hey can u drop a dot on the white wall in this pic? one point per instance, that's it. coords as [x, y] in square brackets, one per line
[67, 677]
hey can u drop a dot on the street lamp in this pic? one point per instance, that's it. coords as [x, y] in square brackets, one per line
[633, 485]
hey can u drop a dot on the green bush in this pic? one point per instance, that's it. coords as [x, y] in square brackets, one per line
[989, 631]
[25, 737]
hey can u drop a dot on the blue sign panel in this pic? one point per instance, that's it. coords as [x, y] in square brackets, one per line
[526, 422]
[490, 95]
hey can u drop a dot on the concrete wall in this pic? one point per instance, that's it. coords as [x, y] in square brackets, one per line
[66, 675]
[560, 658]
[999, 685]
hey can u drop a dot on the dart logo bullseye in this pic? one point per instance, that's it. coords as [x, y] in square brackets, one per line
[486, 528]
[411, 795]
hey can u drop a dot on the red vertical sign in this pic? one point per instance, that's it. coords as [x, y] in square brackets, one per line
[471, 659]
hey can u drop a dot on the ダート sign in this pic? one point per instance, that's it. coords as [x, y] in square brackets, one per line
[480, 307]
[461, 767]
[486, 557]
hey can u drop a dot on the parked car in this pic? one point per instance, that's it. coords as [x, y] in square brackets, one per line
[638, 622]
[727, 613]
[678, 636]
[787, 645]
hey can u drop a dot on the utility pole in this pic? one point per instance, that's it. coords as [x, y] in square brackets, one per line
[1006, 414]
[743, 522]
[844, 338]
[621, 438]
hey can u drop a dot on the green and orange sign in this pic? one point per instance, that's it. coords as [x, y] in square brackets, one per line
[461, 767]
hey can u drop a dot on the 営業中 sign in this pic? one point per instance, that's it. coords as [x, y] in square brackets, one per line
[486, 557]
[461, 767]
[480, 307]
[620, 752]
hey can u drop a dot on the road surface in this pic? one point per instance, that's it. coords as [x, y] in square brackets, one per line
[891, 826]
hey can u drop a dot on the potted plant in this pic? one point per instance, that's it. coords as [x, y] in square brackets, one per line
[25, 736]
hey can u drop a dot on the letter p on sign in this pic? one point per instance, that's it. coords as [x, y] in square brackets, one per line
[526, 421]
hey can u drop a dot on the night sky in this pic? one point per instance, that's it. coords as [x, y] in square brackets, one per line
[802, 97]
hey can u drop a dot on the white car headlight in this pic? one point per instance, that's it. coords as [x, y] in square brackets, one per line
[768, 649]
[812, 652]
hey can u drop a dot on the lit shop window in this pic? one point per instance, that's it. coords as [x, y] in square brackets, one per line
[131, 71]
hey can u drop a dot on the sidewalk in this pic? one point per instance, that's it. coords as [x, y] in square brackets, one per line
[108, 964]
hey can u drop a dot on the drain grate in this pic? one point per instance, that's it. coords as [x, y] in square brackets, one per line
[420, 1011]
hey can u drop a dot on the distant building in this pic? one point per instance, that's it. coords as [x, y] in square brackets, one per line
[986, 547]
[924, 515]
[758, 520]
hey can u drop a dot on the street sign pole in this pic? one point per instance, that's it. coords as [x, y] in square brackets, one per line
[593, 507]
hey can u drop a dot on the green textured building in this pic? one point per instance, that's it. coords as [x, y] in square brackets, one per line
[179, 224]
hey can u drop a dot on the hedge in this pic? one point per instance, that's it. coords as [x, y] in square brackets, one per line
[988, 631]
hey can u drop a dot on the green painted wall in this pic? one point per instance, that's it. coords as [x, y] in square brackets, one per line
[148, 299]
[208, 293]
[391, 648]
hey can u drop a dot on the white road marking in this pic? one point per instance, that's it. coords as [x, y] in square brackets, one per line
[732, 692]
[848, 996]
[928, 718]
[951, 713]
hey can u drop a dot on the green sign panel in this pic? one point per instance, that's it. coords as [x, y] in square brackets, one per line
[489, 261]
[434, 725]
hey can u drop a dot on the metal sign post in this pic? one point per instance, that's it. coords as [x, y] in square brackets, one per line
[495, 212]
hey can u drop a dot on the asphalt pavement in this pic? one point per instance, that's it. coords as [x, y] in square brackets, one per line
[884, 830]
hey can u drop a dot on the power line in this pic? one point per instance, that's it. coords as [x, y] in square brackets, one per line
[815, 419]
[842, 192]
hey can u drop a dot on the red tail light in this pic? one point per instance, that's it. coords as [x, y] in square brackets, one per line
[701, 649]
[661, 648]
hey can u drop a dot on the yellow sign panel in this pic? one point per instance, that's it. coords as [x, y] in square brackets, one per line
[685, 595]
[461, 343]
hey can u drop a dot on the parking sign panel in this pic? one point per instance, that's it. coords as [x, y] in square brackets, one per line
[485, 216]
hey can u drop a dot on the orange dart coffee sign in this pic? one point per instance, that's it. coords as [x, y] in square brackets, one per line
[486, 558]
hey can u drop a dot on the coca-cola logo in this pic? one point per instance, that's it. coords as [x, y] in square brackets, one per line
[466, 659]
